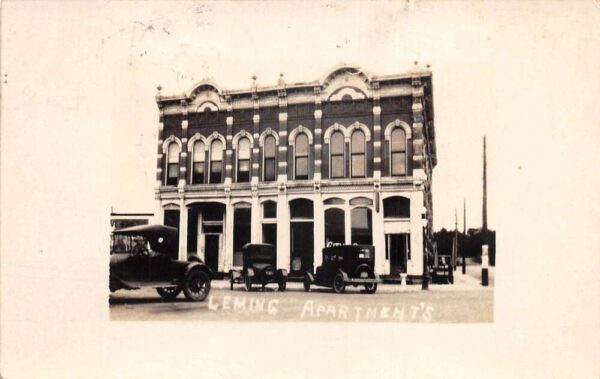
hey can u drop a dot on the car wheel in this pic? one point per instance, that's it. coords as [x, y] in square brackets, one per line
[282, 284]
[168, 292]
[306, 283]
[338, 283]
[196, 285]
[371, 288]
[248, 283]
[231, 283]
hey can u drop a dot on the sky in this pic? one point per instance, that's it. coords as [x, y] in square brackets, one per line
[228, 43]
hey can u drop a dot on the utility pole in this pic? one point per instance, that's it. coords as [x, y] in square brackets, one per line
[462, 251]
[484, 215]
[455, 244]
[465, 216]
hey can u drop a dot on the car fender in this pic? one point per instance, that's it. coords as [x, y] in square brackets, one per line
[282, 272]
[344, 275]
[310, 276]
[198, 266]
[195, 258]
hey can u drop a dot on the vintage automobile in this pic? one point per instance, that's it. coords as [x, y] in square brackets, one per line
[442, 271]
[344, 265]
[259, 267]
[146, 256]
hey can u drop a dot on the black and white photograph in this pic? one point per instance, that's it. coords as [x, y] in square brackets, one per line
[297, 189]
[319, 187]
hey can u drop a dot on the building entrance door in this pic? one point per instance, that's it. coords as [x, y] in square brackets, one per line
[212, 244]
[302, 247]
[398, 251]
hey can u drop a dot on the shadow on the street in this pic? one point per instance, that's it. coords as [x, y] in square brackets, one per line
[143, 300]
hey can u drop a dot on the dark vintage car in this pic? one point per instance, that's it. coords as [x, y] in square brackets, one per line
[259, 267]
[344, 265]
[442, 271]
[146, 256]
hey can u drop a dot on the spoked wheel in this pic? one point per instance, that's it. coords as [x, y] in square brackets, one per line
[371, 287]
[248, 283]
[168, 293]
[282, 284]
[306, 283]
[338, 284]
[196, 285]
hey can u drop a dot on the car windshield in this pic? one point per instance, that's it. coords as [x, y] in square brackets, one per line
[125, 244]
[260, 255]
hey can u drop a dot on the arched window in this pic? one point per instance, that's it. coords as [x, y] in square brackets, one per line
[269, 159]
[398, 152]
[336, 147]
[172, 164]
[358, 154]
[301, 156]
[216, 161]
[243, 160]
[198, 159]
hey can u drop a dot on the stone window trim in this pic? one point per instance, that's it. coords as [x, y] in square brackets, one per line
[333, 128]
[241, 134]
[395, 124]
[300, 129]
[168, 141]
[268, 132]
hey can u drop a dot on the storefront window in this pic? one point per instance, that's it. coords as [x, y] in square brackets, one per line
[362, 232]
[334, 226]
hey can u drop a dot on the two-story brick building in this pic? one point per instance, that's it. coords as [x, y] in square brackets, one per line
[346, 159]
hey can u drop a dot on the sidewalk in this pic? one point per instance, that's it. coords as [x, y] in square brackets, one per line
[467, 282]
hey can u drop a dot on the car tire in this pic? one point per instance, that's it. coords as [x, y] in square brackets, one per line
[338, 283]
[248, 283]
[282, 284]
[306, 283]
[371, 288]
[231, 283]
[196, 285]
[168, 293]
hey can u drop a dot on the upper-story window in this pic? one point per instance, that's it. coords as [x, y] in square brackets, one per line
[198, 163]
[269, 158]
[336, 147]
[357, 162]
[301, 156]
[398, 152]
[172, 164]
[216, 161]
[243, 160]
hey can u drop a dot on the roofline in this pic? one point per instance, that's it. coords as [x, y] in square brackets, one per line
[299, 85]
